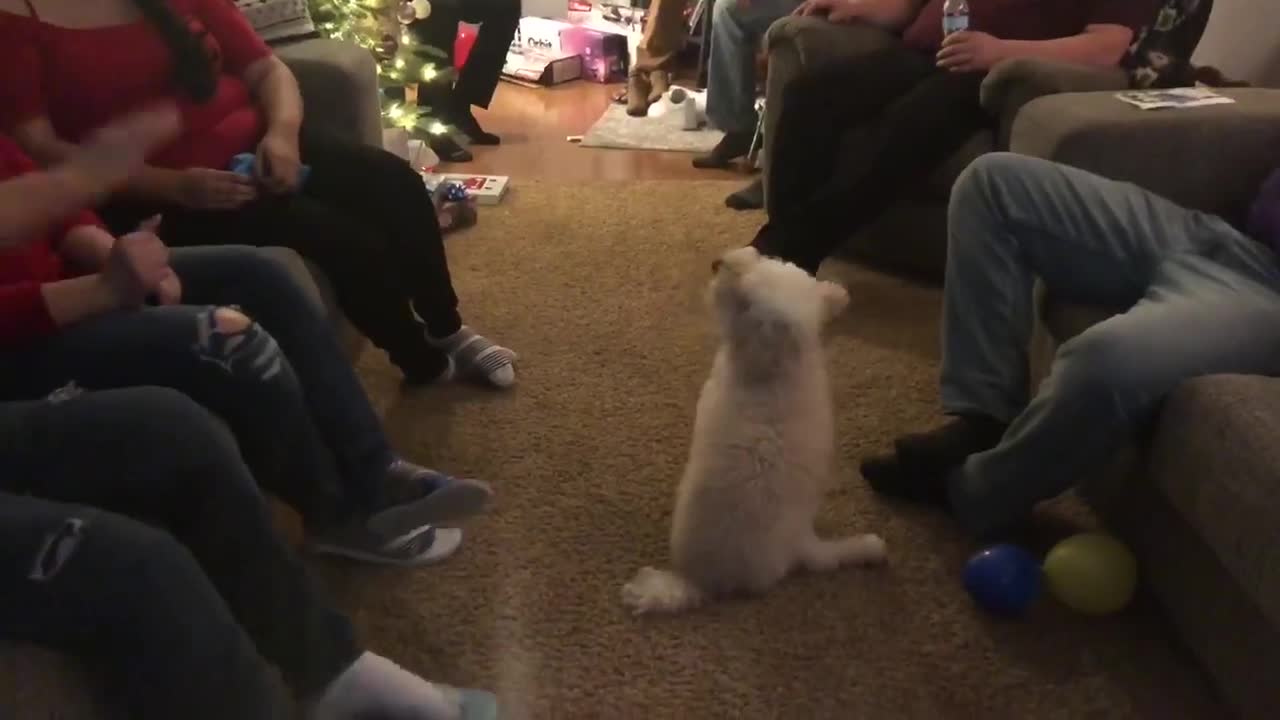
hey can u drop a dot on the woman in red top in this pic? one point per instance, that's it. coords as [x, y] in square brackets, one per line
[363, 215]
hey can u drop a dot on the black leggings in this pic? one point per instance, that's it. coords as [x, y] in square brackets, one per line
[366, 219]
[852, 137]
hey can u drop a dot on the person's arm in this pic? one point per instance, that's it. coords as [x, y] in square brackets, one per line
[29, 311]
[1098, 45]
[893, 15]
[37, 202]
[276, 90]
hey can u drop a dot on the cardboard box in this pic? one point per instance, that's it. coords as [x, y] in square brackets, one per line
[604, 53]
[539, 34]
[533, 68]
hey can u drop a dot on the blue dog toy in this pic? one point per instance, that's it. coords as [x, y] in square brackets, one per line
[452, 191]
[243, 163]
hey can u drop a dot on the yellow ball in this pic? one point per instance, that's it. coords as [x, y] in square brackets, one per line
[1092, 573]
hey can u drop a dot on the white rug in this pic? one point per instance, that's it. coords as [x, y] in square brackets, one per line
[617, 129]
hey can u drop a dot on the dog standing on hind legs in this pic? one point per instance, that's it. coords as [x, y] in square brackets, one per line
[762, 455]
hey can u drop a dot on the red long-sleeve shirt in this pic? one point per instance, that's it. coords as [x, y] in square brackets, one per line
[25, 267]
[82, 78]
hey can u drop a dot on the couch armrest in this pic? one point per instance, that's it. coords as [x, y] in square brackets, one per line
[1013, 83]
[1210, 158]
[339, 84]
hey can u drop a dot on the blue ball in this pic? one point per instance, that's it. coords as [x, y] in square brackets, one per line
[1004, 580]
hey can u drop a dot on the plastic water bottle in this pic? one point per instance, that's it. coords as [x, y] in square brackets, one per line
[955, 16]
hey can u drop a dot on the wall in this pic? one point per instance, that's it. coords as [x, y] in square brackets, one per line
[1243, 40]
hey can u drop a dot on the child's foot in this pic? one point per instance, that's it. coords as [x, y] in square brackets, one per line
[733, 145]
[750, 197]
[374, 686]
[415, 496]
[478, 358]
[357, 541]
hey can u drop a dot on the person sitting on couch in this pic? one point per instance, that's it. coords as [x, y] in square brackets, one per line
[133, 537]
[362, 215]
[736, 29]
[921, 96]
[74, 314]
[1203, 299]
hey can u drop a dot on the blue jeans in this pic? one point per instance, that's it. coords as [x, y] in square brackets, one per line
[133, 537]
[279, 380]
[736, 29]
[1203, 299]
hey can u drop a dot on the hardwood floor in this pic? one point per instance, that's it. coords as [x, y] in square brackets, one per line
[534, 125]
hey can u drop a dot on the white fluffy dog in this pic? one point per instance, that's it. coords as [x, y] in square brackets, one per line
[763, 445]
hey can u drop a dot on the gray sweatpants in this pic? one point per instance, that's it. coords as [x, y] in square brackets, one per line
[1202, 296]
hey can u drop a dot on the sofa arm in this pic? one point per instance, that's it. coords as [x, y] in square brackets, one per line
[1013, 83]
[1210, 158]
[339, 84]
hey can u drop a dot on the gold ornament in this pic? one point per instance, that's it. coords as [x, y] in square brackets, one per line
[421, 9]
[406, 13]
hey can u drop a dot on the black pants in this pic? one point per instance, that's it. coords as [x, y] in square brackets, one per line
[852, 138]
[132, 536]
[366, 219]
[498, 20]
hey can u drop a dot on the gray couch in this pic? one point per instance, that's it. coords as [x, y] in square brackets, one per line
[339, 84]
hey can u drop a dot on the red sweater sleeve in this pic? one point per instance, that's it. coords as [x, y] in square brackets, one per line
[21, 73]
[24, 316]
[241, 45]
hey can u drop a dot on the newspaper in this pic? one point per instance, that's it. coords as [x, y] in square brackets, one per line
[1173, 98]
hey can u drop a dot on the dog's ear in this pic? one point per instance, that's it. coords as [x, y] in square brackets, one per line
[834, 299]
[737, 261]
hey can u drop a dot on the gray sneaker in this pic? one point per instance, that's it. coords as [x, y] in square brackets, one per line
[356, 541]
[427, 497]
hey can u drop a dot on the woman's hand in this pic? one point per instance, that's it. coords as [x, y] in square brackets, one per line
[169, 291]
[970, 51]
[112, 154]
[137, 266]
[279, 164]
[205, 189]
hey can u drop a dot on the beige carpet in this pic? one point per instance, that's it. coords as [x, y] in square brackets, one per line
[598, 287]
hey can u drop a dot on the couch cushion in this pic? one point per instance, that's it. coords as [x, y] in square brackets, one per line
[1216, 460]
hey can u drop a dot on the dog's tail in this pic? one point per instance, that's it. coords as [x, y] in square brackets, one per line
[660, 591]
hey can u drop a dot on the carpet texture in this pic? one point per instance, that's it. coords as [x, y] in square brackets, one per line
[604, 306]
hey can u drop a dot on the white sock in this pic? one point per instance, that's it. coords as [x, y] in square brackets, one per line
[373, 685]
[478, 357]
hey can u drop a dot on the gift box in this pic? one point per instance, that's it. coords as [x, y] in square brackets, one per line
[604, 54]
[537, 68]
[539, 34]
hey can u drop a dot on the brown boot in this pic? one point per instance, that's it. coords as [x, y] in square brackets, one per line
[638, 97]
[659, 83]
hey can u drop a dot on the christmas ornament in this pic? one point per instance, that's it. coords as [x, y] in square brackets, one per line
[421, 9]
[387, 47]
[406, 13]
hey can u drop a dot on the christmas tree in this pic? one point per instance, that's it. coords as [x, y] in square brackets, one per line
[382, 27]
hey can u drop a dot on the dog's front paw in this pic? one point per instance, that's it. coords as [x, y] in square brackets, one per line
[872, 550]
[635, 594]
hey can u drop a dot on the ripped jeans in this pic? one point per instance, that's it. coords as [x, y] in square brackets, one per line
[134, 538]
[272, 369]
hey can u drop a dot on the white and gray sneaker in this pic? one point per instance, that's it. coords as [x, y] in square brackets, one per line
[355, 541]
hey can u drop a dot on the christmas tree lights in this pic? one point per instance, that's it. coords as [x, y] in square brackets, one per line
[382, 27]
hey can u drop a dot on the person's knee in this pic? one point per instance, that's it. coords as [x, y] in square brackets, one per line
[231, 340]
[1105, 368]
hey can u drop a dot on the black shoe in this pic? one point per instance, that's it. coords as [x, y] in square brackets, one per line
[750, 197]
[467, 123]
[449, 150]
[731, 147]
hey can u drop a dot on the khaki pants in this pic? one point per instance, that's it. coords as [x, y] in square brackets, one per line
[664, 36]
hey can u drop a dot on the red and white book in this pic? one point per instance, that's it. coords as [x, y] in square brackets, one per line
[486, 189]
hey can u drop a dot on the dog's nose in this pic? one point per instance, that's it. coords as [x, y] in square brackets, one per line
[715, 265]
